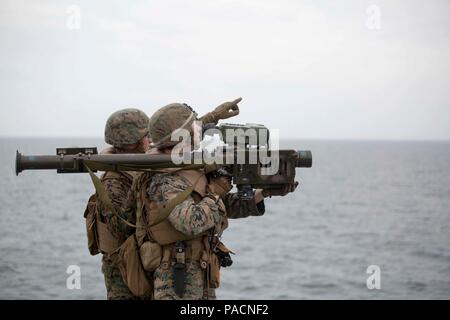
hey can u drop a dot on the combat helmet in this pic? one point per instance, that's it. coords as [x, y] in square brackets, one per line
[168, 119]
[126, 126]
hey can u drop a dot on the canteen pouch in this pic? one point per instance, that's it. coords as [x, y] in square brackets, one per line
[128, 260]
[90, 215]
[151, 254]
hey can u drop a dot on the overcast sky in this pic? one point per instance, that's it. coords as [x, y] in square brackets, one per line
[313, 69]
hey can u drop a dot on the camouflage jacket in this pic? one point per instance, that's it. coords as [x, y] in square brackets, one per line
[238, 208]
[194, 217]
[118, 186]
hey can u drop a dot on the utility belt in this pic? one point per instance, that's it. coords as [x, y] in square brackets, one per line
[154, 255]
[184, 252]
[177, 256]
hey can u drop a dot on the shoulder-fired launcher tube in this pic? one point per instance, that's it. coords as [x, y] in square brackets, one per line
[75, 162]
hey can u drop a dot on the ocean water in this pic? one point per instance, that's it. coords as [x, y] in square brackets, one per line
[363, 203]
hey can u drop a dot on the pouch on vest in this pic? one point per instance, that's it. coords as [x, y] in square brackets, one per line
[91, 226]
[214, 271]
[151, 255]
[128, 260]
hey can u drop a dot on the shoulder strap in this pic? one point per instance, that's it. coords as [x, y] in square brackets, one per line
[161, 215]
[166, 209]
[102, 194]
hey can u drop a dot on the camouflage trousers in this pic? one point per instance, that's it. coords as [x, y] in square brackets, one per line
[195, 284]
[116, 289]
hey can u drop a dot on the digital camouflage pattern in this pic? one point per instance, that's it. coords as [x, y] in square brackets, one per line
[193, 217]
[116, 289]
[173, 116]
[189, 217]
[195, 283]
[118, 186]
[126, 126]
[168, 119]
[237, 208]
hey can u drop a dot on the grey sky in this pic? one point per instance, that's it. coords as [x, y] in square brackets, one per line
[312, 69]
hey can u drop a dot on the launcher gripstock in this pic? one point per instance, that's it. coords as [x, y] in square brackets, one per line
[246, 175]
[253, 138]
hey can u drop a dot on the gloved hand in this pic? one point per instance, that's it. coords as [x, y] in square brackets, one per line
[219, 186]
[224, 111]
[280, 192]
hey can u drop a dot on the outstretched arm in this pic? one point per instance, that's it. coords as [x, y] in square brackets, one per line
[224, 111]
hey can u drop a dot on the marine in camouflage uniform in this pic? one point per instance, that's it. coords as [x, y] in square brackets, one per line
[192, 218]
[202, 215]
[127, 131]
[116, 185]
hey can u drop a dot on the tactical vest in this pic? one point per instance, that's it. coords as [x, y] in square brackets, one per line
[163, 233]
[159, 243]
[100, 237]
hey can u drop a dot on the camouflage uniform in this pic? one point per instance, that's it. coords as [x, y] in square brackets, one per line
[189, 218]
[117, 185]
[238, 208]
[199, 214]
[195, 284]
[124, 127]
[193, 218]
